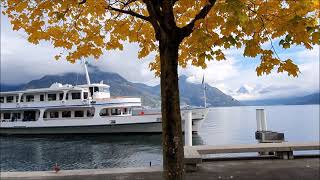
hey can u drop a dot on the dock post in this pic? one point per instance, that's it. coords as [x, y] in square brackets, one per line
[188, 129]
[261, 126]
[261, 120]
[265, 136]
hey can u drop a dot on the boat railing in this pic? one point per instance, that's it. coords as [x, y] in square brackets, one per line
[41, 104]
[67, 118]
[119, 99]
[18, 120]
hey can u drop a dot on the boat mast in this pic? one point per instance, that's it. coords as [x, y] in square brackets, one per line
[86, 71]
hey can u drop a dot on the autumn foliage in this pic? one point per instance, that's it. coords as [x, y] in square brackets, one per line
[87, 29]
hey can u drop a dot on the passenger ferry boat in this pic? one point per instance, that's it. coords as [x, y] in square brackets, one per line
[88, 108]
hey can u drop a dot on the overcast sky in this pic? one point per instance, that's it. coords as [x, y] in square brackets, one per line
[22, 62]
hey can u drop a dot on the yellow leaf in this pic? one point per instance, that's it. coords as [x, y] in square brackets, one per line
[57, 57]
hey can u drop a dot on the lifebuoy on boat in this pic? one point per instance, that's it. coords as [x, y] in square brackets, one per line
[141, 113]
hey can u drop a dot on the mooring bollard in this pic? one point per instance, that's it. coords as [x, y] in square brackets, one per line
[188, 129]
[261, 120]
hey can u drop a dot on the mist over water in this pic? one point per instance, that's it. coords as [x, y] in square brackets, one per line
[227, 125]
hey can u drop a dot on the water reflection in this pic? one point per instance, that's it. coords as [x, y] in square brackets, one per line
[227, 126]
[93, 151]
[19, 153]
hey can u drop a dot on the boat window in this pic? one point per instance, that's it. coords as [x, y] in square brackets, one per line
[115, 111]
[16, 115]
[67, 96]
[52, 97]
[17, 98]
[29, 98]
[78, 114]
[85, 95]
[76, 95]
[104, 112]
[1, 99]
[91, 91]
[66, 113]
[22, 99]
[54, 114]
[60, 96]
[9, 99]
[41, 97]
[106, 90]
[45, 115]
[96, 89]
[126, 111]
[6, 115]
[90, 113]
[29, 115]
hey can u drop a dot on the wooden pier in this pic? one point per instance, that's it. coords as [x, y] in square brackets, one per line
[192, 154]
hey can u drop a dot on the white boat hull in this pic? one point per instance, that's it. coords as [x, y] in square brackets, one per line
[129, 124]
[155, 127]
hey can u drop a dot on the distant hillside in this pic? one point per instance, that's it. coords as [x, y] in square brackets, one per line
[190, 93]
[5, 87]
[193, 94]
[309, 99]
[119, 85]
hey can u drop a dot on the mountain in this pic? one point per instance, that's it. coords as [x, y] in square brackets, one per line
[243, 90]
[119, 85]
[190, 93]
[301, 100]
[193, 94]
[6, 87]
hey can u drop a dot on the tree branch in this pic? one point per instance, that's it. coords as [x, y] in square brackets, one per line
[187, 30]
[82, 2]
[129, 13]
[154, 16]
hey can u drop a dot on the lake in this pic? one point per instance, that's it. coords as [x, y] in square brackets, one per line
[225, 125]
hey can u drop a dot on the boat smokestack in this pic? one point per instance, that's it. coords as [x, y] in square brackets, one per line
[86, 71]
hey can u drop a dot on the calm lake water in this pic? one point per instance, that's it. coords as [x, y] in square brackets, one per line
[229, 125]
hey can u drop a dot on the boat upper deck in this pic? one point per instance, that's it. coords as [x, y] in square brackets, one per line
[58, 95]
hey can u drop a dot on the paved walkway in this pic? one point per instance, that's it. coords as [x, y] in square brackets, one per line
[298, 169]
[272, 169]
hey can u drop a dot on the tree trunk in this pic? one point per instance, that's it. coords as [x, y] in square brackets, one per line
[170, 107]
